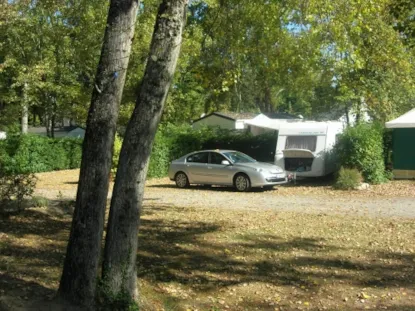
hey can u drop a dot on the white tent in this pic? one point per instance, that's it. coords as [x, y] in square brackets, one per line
[406, 120]
[77, 133]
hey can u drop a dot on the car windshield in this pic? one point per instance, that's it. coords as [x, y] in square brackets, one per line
[239, 157]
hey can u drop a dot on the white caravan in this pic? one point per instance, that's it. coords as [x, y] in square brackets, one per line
[304, 148]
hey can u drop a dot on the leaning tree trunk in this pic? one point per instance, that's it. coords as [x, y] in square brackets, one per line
[119, 266]
[78, 282]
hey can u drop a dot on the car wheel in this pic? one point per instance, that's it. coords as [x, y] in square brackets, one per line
[181, 180]
[242, 183]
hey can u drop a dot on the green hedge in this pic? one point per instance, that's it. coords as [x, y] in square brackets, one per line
[362, 147]
[23, 154]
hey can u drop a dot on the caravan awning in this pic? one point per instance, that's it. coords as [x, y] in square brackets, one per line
[266, 123]
[406, 120]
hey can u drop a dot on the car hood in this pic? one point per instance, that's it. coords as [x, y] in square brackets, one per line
[265, 166]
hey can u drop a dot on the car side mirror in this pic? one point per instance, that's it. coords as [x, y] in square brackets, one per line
[225, 162]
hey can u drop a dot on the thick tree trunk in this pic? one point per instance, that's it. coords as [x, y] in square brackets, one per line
[78, 282]
[119, 266]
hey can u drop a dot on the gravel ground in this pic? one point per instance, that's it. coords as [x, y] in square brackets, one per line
[377, 207]
[395, 199]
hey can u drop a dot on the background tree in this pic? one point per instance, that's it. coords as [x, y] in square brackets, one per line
[43, 65]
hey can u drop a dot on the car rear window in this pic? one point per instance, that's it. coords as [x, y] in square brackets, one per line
[201, 157]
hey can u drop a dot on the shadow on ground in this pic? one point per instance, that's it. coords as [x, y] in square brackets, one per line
[208, 188]
[165, 255]
[180, 251]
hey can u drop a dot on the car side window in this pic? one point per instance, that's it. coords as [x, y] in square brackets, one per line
[201, 157]
[216, 158]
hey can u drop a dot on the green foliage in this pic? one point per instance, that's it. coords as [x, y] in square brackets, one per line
[72, 148]
[33, 154]
[14, 188]
[116, 155]
[348, 179]
[237, 55]
[361, 147]
[40, 202]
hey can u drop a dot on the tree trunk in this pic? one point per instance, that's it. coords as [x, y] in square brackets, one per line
[346, 109]
[25, 111]
[119, 266]
[52, 125]
[25, 118]
[268, 99]
[78, 282]
[47, 124]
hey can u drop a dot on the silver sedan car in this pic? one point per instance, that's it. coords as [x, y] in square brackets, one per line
[227, 168]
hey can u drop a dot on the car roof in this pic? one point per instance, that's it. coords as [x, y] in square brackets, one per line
[215, 150]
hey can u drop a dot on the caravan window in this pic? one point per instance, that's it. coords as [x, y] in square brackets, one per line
[301, 142]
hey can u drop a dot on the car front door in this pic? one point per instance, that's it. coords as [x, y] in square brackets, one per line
[197, 167]
[219, 173]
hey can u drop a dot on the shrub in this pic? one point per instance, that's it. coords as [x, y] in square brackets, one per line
[73, 151]
[15, 188]
[361, 147]
[23, 154]
[40, 202]
[347, 179]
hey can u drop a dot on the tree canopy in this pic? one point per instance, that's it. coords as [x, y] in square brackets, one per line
[303, 57]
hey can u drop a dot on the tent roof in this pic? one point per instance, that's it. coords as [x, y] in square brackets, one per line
[406, 120]
[265, 122]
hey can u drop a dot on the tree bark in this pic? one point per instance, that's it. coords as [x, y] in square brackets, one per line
[78, 282]
[53, 117]
[119, 266]
[25, 111]
[346, 109]
[25, 118]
